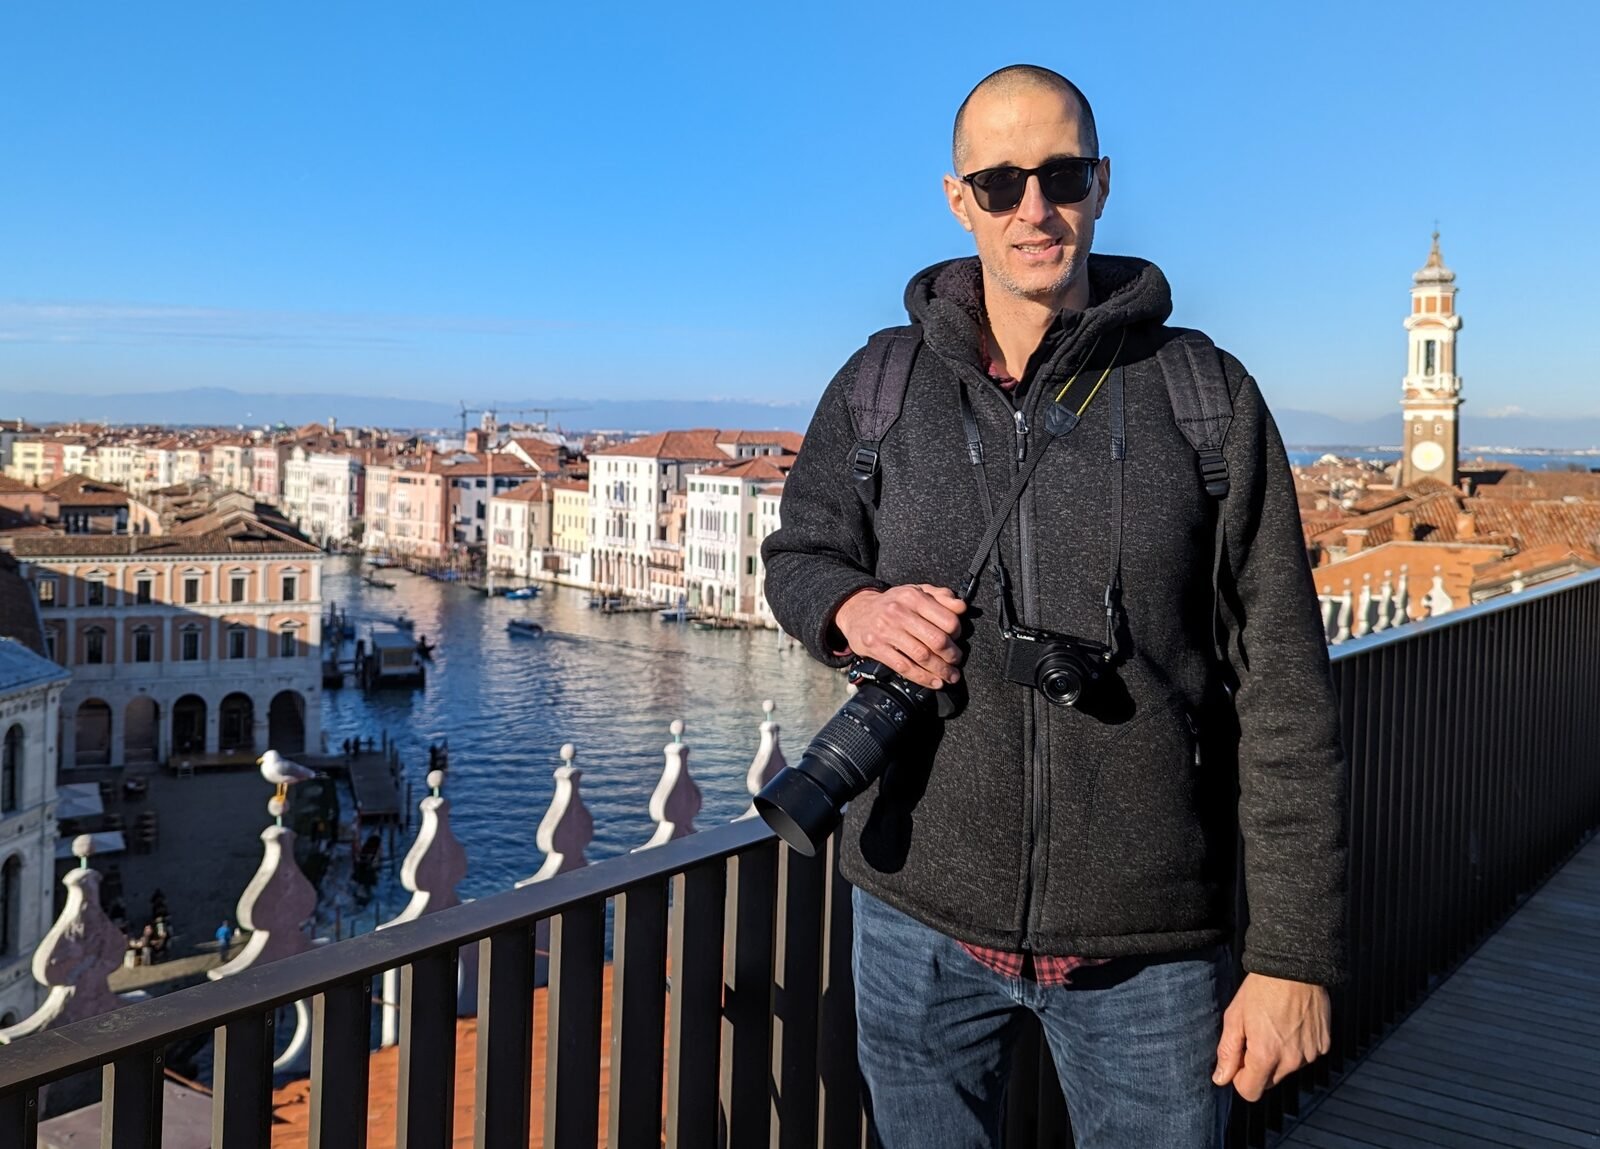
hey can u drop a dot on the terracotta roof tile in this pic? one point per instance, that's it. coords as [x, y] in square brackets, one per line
[762, 468]
[686, 445]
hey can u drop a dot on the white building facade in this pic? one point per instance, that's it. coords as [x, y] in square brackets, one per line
[31, 688]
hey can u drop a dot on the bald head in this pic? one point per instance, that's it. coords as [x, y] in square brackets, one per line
[1013, 80]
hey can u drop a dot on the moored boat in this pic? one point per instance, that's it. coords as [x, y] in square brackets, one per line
[525, 627]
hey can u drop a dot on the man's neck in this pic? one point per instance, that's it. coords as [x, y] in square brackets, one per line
[1016, 326]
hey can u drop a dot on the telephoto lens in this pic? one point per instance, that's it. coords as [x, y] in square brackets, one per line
[804, 802]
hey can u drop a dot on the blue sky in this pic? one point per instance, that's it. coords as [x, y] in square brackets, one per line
[504, 201]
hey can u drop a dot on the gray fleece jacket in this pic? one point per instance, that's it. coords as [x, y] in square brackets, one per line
[1109, 829]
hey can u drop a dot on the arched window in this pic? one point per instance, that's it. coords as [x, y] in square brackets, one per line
[94, 645]
[10, 905]
[11, 769]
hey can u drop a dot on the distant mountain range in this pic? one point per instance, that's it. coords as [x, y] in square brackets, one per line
[217, 406]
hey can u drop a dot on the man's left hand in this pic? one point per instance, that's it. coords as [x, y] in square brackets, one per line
[1272, 1028]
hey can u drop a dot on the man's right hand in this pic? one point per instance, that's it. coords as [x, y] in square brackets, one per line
[910, 629]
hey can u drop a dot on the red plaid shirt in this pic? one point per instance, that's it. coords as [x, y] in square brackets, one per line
[1045, 969]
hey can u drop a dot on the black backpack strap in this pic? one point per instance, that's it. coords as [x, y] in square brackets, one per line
[876, 396]
[1197, 387]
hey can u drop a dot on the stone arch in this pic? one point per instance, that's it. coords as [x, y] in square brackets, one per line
[11, 906]
[286, 722]
[92, 733]
[141, 730]
[11, 769]
[236, 718]
[189, 725]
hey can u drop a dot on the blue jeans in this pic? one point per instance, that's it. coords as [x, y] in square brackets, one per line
[1134, 1041]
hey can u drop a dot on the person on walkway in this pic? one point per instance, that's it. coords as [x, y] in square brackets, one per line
[224, 935]
[1021, 855]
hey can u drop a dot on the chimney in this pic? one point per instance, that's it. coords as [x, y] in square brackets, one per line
[1355, 541]
[1404, 530]
[1466, 525]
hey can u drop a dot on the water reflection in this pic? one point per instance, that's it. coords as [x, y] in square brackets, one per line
[610, 684]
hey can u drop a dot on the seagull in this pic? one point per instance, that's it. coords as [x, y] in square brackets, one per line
[281, 772]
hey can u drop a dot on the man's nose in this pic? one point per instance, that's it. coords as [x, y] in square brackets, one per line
[1034, 207]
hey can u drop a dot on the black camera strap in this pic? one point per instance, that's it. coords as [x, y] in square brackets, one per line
[1060, 421]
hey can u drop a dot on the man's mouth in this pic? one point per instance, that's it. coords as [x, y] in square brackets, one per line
[1038, 248]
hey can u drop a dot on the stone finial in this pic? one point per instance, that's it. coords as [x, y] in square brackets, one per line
[1402, 599]
[75, 959]
[82, 847]
[1329, 606]
[275, 907]
[676, 799]
[1385, 598]
[1344, 615]
[1437, 599]
[436, 862]
[567, 827]
[433, 868]
[1363, 622]
[768, 760]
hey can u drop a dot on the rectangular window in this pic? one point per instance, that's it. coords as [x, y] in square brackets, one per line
[287, 646]
[191, 589]
[191, 646]
[94, 647]
[50, 643]
[47, 592]
[236, 637]
[96, 593]
[237, 588]
[750, 565]
[143, 646]
[142, 590]
[289, 588]
[1428, 357]
[750, 525]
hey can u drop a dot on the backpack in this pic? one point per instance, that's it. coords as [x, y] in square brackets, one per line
[1197, 388]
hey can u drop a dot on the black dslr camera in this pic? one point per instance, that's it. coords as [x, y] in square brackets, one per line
[1058, 666]
[803, 803]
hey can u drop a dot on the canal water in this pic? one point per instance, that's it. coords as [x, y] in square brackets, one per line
[609, 684]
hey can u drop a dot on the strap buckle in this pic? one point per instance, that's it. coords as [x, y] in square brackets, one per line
[1213, 472]
[864, 463]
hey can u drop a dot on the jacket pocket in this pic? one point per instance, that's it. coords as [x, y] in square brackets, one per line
[1137, 828]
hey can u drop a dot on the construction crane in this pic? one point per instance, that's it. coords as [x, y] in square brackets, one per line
[543, 412]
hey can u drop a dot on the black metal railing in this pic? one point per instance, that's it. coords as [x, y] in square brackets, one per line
[1473, 774]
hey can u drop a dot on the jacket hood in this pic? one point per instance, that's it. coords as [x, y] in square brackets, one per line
[947, 299]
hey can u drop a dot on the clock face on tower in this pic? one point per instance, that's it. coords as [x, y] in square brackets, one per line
[1427, 456]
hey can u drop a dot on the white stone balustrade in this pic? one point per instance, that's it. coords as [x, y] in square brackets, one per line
[768, 760]
[433, 868]
[77, 957]
[677, 797]
[567, 827]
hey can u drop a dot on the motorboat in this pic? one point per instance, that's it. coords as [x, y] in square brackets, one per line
[525, 627]
[674, 614]
[522, 592]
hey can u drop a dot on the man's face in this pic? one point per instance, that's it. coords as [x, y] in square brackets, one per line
[1038, 249]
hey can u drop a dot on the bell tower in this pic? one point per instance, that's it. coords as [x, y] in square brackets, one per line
[1432, 389]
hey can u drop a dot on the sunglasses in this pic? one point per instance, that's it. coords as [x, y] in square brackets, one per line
[1062, 181]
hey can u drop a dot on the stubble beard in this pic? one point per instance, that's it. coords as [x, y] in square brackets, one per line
[1076, 263]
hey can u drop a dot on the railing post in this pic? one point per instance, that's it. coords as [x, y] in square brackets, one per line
[505, 1040]
[747, 996]
[638, 973]
[130, 1102]
[795, 996]
[839, 1111]
[427, 1052]
[696, 1006]
[341, 1033]
[572, 1058]
[241, 1107]
[19, 1118]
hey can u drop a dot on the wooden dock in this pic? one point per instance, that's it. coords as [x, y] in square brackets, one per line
[1506, 1052]
[374, 779]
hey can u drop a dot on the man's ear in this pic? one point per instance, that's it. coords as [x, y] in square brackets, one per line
[1104, 180]
[955, 194]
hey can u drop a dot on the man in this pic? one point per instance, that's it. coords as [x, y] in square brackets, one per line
[1078, 861]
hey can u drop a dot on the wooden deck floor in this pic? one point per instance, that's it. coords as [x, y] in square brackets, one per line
[1504, 1053]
